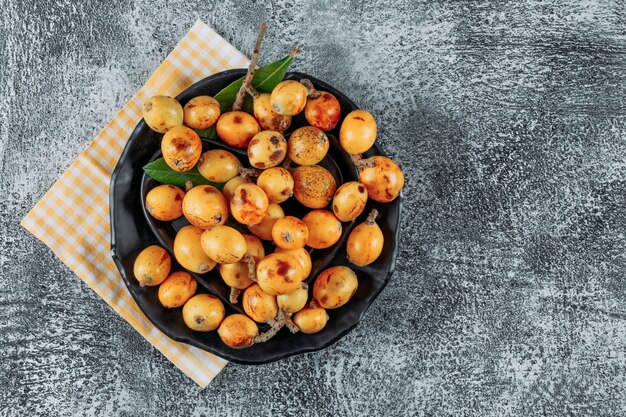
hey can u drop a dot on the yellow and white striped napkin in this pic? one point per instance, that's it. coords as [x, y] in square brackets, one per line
[72, 218]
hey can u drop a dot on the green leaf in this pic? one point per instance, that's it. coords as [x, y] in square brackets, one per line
[264, 80]
[160, 172]
[208, 133]
[227, 96]
[268, 77]
[248, 105]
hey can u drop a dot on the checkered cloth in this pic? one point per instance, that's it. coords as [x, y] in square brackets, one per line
[73, 216]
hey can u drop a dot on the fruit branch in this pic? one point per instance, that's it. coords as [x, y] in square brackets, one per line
[361, 163]
[249, 260]
[234, 295]
[311, 91]
[293, 327]
[371, 218]
[277, 324]
[252, 91]
[247, 82]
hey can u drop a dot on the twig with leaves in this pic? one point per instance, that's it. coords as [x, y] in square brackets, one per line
[247, 82]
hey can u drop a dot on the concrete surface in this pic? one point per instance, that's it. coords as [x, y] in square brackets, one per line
[509, 120]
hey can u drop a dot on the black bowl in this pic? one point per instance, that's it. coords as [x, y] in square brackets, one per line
[132, 229]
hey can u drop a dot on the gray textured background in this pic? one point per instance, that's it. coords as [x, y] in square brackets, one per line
[508, 118]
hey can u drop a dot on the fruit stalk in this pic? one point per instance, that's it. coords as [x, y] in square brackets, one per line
[249, 260]
[252, 91]
[234, 295]
[371, 217]
[241, 94]
[361, 163]
[293, 327]
[311, 91]
[276, 324]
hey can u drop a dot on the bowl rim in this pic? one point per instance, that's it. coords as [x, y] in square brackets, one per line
[165, 330]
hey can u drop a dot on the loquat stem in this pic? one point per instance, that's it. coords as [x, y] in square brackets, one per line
[293, 327]
[311, 91]
[249, 260]
[361, 163]
[241, 94]
[188, 185]
[277, 324]
[280, 316]
[265, 336]
[252, 91]
[371, 218]
[234, 295]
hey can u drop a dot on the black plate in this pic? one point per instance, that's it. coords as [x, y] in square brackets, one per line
[132, 230]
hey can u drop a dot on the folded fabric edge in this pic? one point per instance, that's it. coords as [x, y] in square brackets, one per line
[29, 223]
